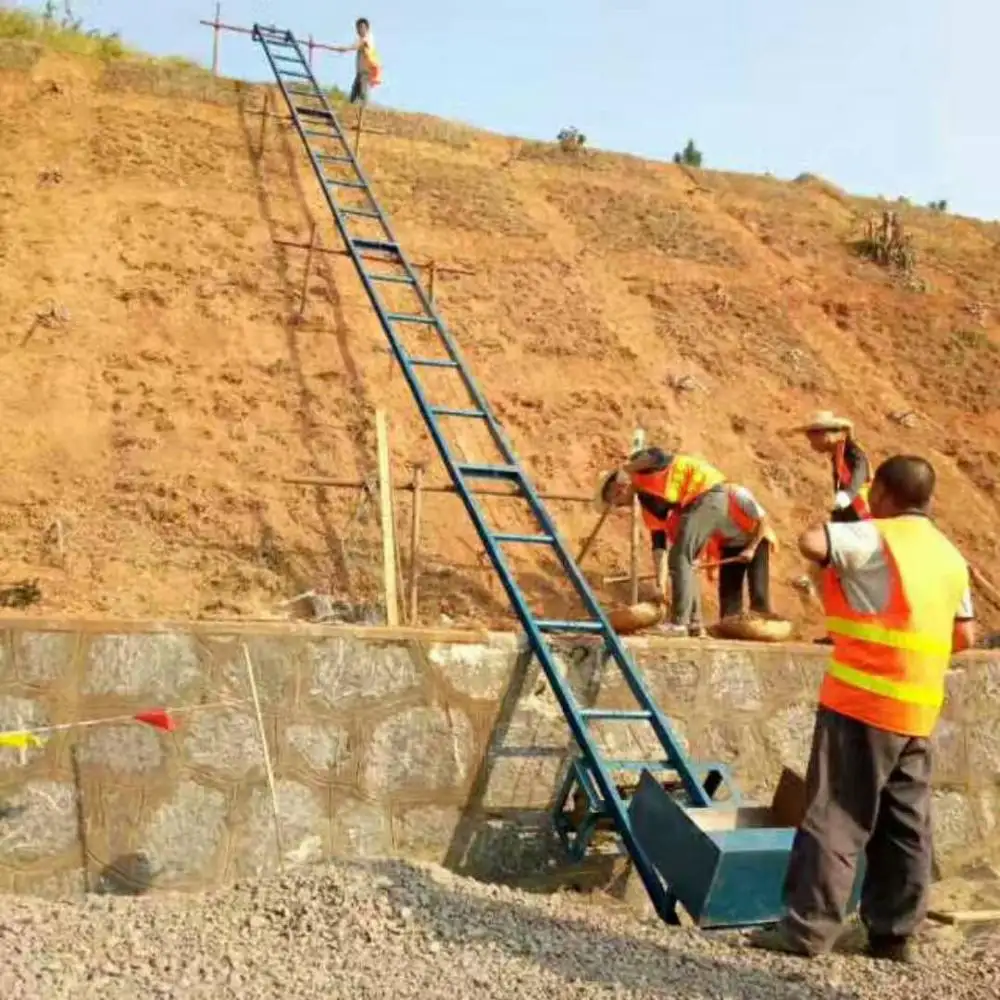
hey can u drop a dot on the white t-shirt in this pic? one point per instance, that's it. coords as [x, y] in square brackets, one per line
[858, 555]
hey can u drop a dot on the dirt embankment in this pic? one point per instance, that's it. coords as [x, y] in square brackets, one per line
[157, 384]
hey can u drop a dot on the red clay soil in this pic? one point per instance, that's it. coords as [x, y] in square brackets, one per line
[157, 385]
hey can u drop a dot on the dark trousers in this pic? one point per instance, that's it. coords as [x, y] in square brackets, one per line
[845, 515]
[867, 790]
[732, 575]
[360, 88]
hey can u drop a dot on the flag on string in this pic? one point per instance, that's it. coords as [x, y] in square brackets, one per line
[158, 718]
[20, 741]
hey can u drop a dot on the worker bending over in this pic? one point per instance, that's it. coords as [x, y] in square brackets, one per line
[896, 596]
[834, 436]
[745, 543]
[687, 503]
[368, 66]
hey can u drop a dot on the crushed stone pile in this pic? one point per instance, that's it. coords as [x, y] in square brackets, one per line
[387, 930]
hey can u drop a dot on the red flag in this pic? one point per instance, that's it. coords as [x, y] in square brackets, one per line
[158, 718]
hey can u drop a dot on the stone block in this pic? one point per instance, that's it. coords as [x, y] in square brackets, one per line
[324, 747]
[18, 714]
[159, 666]
[951, 759]
[674, 678]
[133, 749]
[278, 665]
[479, 671]
[38, 821]
[523, 781]
[984, 753]
[302, 819]
[7, 663]
[733, 680]
[789, 733]
[43, 657]
[225, 740]
[185, 833]
[420, 749]
[346, 672]
[425, 832]
[737, 742]
[954, 822]
[360, 829]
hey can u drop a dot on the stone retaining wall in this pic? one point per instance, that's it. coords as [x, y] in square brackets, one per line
[440, 746]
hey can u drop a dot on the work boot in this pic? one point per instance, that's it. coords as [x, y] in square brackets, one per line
[672, 630]
[697, 631]
[890, 948]
[778, 938]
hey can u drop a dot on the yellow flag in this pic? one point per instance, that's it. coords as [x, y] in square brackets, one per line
[20, 741]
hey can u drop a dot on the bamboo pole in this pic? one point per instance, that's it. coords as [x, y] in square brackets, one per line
[388, 537]
[416, 512]
[638, 441]
[268, 770]
[589, 540]
[216, 28]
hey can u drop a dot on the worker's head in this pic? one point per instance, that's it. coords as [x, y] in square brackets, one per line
[902, 483]
[825, 440]
[617, 489]
[362, 26]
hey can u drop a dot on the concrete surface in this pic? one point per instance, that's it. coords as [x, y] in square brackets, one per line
[447, 750]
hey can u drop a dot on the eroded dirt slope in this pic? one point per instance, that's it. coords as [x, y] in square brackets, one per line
[156, 386]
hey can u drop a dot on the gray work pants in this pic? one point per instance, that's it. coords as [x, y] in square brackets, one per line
[707, 515]
[867, 790]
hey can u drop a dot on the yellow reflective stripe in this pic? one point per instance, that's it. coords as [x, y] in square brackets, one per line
[914, 694]
[913, 642]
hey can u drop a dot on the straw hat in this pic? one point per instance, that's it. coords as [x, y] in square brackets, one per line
[824, 420]
[600, 504]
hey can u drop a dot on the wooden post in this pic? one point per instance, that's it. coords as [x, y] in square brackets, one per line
[311, 46]
[357, 130]
[264, 114]
[215, 39]
[585, 548]
[388, 535]
[418, 496]
[638, 441]
[308, 270]
[432, 268]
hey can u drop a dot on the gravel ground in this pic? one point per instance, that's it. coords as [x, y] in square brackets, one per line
[392, 930]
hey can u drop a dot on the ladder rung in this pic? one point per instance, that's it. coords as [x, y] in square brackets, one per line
[380, 245]
[327, 158]
[344, 184]
[488, 471]
[616, 714]
[434, 362]
[549, 625]
[412, 318]
[364, 213]
[639, 765]
[322, 135]
[297, 76]
[315, 112]
[397, 279]
[295, 59]
[451, 411]
[526, 539]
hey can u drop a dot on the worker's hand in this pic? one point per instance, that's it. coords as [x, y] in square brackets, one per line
[841, 500]
[746, 556]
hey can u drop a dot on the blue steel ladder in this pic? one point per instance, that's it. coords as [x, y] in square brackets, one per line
[329, 150]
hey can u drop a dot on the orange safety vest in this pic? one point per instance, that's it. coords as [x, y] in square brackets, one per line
[842, 479]
[888, 669]
[684, 480]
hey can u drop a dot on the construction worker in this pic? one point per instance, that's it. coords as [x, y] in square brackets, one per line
[834, 436]
[745, 543]
[368, 66]
[896, 596]
[685, 502]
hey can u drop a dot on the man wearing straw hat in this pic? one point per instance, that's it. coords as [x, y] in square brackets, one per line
[831, 435]
[687, 502]
[896, 596]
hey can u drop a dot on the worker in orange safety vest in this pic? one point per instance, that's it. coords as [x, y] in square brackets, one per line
[897, 601]
[834, 436]
[368, 65]
[688, 507]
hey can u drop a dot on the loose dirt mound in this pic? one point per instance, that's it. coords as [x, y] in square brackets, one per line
[389, 931]
[157, 385]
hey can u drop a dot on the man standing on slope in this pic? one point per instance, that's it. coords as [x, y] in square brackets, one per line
[368, 66]
[687, 502]
[896, 596]
[833, 436]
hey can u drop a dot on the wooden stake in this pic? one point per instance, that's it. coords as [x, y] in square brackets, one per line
[638, 441]
[81, 817]
[265, 113]
[589, 541]
[308, 270]
[432, 269]
[357, 131]
[416, 512]
[215, 39]
[388, 535]
[267, 756]
[400, 585]
[312, 45]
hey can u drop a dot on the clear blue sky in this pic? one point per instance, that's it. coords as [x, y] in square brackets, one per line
[883, 97]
